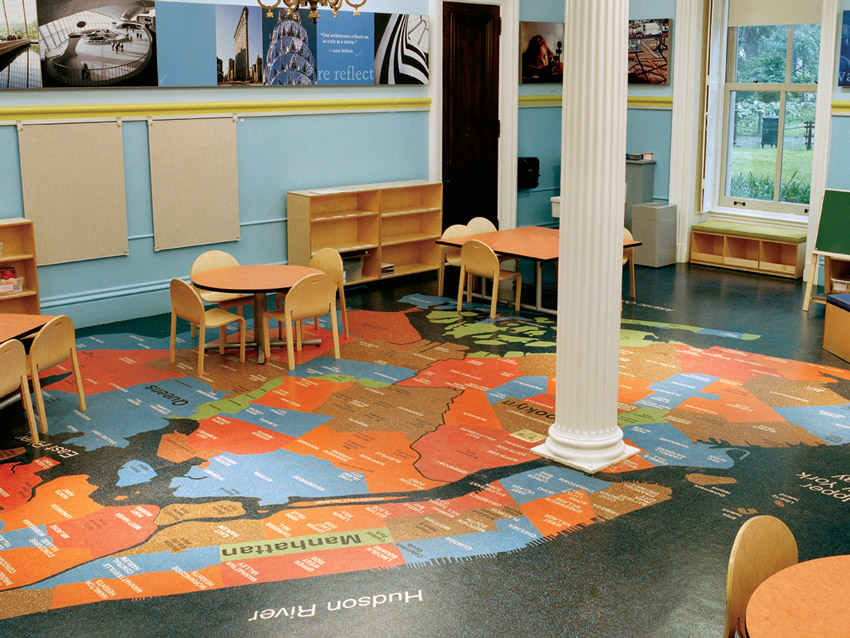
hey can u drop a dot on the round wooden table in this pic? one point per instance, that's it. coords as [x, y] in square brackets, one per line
[257, 281]
[806, 599]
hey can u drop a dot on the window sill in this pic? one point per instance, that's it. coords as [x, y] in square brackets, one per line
[778, 220]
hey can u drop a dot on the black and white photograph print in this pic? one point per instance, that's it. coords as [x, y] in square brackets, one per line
[87, 43]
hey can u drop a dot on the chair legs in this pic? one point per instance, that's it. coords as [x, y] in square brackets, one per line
[39, 397]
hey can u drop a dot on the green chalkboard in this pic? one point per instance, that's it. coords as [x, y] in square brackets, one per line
[834, 225]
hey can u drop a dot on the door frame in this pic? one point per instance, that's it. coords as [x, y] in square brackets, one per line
[508, 102]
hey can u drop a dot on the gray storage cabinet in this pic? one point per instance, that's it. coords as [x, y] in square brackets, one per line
[655, 225]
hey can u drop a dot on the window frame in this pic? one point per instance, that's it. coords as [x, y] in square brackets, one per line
[730, 86]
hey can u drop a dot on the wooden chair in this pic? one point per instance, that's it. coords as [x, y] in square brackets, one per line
[629, 258]
[212, 260]
[187, 304]
[312, 296]
[13, 378]
[329, 261]
[478, 259]
[478, 225]
[762, 547]
[449, 255]
[52, 345]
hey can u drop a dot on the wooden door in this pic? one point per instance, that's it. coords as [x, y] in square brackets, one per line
[470, 112]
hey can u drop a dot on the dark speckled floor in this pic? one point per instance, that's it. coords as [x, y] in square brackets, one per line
[657, 572]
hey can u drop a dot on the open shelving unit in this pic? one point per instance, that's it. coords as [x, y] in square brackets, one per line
[772, 257]
[18, 251]
[392, 226]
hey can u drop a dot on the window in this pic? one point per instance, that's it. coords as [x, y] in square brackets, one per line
[768, 98]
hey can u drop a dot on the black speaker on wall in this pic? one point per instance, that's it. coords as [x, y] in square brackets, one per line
[528, 172]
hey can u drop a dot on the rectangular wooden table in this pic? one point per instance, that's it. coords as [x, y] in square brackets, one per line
[536, 243]
[15, 326]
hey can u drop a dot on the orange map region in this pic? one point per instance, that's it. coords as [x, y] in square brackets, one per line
[19, 480]
[108, 530]
[545, 401]
[225, 433]
[455, 451]
[139, 585]
[734, 403]
[102, 367]
[33, 564]
[392, 327]
[560, 512]
[731, 365]
[57, 501]
[384, 457]
[472, 373]
[799, 370]
[330, 561]
[474, 406]
[631, 464]
[302, 395]
[308, 521]
[174, 447]
[631, 389]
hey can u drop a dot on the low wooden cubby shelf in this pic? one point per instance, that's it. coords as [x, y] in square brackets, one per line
[772, 251]
[392, 226]
[18, 252]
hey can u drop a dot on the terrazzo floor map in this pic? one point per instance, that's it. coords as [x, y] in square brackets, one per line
[403, 452]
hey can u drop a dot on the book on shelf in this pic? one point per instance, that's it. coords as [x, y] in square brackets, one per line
[387, 268]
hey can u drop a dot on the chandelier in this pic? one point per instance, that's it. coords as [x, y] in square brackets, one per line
[294, 5]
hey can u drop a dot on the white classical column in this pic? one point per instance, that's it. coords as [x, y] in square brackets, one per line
[585, 434]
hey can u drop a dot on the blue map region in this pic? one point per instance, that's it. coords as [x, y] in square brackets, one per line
[548, 481]
[328, 366]
[521, 388]
[188, 560]
[142, 408]
[134, 472]
[666, 445]
[273, 478]
[291, 422]
[741, 336]
[828, 422]
[425, 302]
[24, 537]
[674, 391]
[512, 534]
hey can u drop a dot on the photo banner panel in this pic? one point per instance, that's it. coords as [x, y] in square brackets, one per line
[141, 43]
[73, 187]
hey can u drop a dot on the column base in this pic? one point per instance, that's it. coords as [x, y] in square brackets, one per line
[587, 463]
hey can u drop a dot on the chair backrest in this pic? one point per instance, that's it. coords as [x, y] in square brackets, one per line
[329, 261]
[455, 230]
[212, 260]
[763, 546]
[627, 252]
[478, 225]
[311, 296]
[185, 301]
[13, 365]
[53, 343]
[479, 259]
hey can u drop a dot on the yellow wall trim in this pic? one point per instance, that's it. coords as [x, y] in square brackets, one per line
[265, 107]
[840, 108]
[649, 102]
[637, 102]
[539, 100]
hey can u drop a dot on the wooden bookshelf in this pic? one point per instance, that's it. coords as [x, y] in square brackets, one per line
[18, 251]
[391, 223]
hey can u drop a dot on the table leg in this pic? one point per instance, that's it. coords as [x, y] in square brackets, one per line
[538, 285]
[813, 274]
[259, 311]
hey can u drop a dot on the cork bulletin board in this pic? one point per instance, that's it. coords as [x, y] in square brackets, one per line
[194, 182]
[73, 189]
